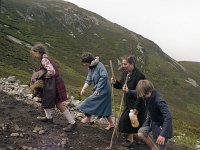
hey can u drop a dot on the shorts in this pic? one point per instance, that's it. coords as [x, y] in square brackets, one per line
[146, 130]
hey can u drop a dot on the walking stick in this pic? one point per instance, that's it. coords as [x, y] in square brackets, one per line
[113, 99]
[111, 142]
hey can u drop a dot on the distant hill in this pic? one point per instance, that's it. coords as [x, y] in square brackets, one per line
[192, 68]
[68, 30]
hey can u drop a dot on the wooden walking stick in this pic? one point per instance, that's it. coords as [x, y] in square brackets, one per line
[123, 95]
[113, 99]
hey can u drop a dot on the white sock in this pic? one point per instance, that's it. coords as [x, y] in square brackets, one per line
[48, 113]
[68, 116]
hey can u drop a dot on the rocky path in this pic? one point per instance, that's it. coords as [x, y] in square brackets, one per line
[19, 129]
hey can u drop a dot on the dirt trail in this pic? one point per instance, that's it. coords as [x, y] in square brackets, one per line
[18, 121]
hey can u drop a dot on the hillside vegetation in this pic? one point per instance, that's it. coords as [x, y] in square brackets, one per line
[68, 30]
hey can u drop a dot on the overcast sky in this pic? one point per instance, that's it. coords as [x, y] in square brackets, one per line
[172, 24]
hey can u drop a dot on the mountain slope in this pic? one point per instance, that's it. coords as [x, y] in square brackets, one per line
[68, 30]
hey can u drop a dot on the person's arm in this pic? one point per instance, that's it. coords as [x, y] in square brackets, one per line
[85, 86]
[167, 125]
[37, 75]
[102, 80]
[49, 68]
[131, 93]
[119, 84]
[87, 83]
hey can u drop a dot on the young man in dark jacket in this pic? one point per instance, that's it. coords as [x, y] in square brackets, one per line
[159, 118]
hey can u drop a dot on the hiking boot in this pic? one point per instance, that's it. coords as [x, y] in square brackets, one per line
[45, 119]
[70, 127]
[127, 143]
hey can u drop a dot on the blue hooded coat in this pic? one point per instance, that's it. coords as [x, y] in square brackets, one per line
[101, 104]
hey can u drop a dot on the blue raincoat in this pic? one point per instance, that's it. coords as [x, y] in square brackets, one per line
[101, 104]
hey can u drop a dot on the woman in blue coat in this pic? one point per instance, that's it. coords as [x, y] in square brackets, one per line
[99, 102]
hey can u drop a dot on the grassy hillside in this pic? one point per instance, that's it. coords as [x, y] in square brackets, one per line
[68, 30]
[192, 69]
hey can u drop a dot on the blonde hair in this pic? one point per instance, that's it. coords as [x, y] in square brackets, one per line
[143, 87]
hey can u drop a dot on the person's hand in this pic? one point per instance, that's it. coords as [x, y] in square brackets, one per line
[160, 140]
[135, 111]
[41, 73]
[34, 77]
[125, 88]
[113, 80]
[82, 92]
[96, 93]
[85, 86]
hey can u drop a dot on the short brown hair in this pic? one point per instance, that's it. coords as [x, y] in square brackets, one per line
[130, 59]
[39, 47]
[87, 57]
[143, 87]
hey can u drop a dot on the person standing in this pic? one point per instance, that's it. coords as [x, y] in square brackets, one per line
[133, 75]
[99, 103]
[54, 91]
[159, 119]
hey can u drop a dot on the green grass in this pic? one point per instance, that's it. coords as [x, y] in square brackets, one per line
[194, 108]
[185, 134]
